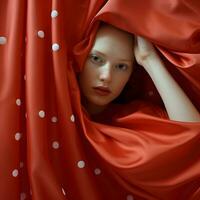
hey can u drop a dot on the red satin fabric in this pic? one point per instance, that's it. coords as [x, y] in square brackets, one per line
[50, 148]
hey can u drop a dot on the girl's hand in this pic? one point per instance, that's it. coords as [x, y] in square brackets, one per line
[144, 51]
[178, 105]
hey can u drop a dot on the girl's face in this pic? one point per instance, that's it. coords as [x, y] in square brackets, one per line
[108, 67]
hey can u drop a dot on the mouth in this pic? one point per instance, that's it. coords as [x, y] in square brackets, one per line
[102, 91]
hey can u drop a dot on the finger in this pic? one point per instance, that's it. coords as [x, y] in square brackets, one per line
[135, 48]
[144, 44]
[135, 42]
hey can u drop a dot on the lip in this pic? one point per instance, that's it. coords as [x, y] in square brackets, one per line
[103, 91]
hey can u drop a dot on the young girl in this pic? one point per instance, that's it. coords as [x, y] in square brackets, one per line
[110, 64]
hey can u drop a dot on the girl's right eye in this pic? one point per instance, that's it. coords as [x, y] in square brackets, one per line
[96, 59]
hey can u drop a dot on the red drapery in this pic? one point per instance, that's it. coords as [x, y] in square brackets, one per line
[50, 149]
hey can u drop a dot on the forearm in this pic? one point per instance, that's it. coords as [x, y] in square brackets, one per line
[178, 105]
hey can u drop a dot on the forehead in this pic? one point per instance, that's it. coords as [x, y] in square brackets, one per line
[113, 41]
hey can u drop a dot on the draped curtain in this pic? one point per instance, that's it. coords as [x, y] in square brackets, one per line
[50, 149]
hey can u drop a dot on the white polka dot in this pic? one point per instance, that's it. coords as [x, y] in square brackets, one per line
[54, 119]
[18, 136]
[15, 172]
[55, 145]
[3, 40]
[22, 196]
[54, 13]
[81, 164]
[72, 118]
[41, 114]
[21, 164]
[150, 93]
[55, 47]
[41, 34]
[97, 171]
[129, 197]
[18, 102]
[63, 191]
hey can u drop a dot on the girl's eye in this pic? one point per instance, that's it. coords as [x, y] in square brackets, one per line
[96, 59]
[122, 67]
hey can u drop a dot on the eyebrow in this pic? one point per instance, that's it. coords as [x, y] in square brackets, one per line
[126, 60]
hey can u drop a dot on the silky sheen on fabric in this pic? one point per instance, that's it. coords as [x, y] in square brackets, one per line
[51, 149]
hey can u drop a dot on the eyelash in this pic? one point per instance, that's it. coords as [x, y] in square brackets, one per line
[123, 66]
[92, 56]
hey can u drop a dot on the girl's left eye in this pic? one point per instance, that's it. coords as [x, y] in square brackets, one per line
[122, 66]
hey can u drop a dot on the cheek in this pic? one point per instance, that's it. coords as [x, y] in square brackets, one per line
[86, 79]
[89, 70]
[123, 81]
[84, 74]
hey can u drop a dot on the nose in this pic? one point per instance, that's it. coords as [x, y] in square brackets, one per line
[106, 73]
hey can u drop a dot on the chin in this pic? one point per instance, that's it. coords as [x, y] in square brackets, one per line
[99, 102]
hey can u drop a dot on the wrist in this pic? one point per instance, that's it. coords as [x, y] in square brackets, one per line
[153, 62]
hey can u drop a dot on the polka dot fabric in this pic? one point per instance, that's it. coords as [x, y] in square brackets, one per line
[50, 148]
